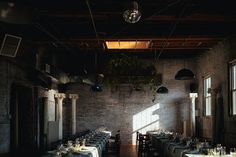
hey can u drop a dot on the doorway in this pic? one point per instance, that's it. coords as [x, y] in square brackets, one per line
[23, 134]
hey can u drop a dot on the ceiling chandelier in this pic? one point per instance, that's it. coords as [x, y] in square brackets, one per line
[132, 14]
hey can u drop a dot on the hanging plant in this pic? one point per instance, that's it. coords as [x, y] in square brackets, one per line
[131, 70]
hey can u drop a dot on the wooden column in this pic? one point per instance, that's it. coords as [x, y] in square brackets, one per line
[73, 98]
[193, 97]
[59, 97]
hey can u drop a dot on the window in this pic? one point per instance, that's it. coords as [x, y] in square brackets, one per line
[233, 87]
[207, 96]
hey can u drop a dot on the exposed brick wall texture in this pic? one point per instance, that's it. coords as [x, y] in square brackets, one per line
[9, 73]
[215, 63]
[130, 110]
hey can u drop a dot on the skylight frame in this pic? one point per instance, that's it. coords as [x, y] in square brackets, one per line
[127, 44]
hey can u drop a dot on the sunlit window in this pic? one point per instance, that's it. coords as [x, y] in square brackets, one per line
[127, 44]
[233, 88]
[207, 95]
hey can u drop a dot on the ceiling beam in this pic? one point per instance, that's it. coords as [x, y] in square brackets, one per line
[197, 17]
[77, 40]
[153, 48]
[188, 38]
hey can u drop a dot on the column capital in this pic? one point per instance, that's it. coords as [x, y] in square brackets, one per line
[73, 96]
[193, 95]
[60, 95]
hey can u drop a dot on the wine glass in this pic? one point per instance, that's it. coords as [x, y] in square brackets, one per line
[198, 146]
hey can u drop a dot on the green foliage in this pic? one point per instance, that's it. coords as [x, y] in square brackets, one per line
[131, 70]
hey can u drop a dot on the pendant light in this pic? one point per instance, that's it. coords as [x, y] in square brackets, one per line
[96, 87]
[132, 14]
[184, 74]
[15, 13]
[162, 90]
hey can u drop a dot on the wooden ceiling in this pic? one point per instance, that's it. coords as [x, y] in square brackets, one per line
[173, 27]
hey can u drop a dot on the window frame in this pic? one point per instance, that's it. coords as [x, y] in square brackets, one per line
[231, 90]
[205, 96]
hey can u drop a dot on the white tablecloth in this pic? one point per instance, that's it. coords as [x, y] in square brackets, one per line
[200, 155]
[92, 150]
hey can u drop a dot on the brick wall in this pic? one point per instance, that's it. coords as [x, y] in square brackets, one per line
[130, 111]
[9, 73]
[12, 73]
[215, 63]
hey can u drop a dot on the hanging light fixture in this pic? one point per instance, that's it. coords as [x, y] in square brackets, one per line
[96, 88]
[15, 13]
[184, 74]
[162, 90]
[132, 14]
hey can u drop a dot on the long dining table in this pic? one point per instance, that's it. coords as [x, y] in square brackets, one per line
[94, 147]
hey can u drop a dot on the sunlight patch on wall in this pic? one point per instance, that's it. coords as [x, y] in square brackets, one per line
[145, 120]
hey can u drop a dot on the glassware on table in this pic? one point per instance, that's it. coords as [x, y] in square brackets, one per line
[59, 147]
[218, 147]
[211, 152]
[76, 148]
[233, 152]
[69, 143]
[223, 150]
[58, 154]
[216, 152]
[198, 146]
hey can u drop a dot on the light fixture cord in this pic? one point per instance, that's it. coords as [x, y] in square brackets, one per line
[93, 23]
[95, 31]
[171, 33]
[158, 12]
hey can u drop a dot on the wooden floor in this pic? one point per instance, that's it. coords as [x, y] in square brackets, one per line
[132, 151]
[125, 151]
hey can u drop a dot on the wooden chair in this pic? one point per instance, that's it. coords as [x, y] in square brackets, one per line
[145, 147]
[113, 144]
[143, 143]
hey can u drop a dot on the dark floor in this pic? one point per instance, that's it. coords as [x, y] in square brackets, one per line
[125, 151]
[130, 151]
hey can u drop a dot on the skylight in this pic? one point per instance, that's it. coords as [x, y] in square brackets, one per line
[127, 44]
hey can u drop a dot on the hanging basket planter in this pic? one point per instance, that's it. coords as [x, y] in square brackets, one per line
[131, 70]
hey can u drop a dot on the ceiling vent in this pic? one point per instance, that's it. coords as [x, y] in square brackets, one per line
[10, 45]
